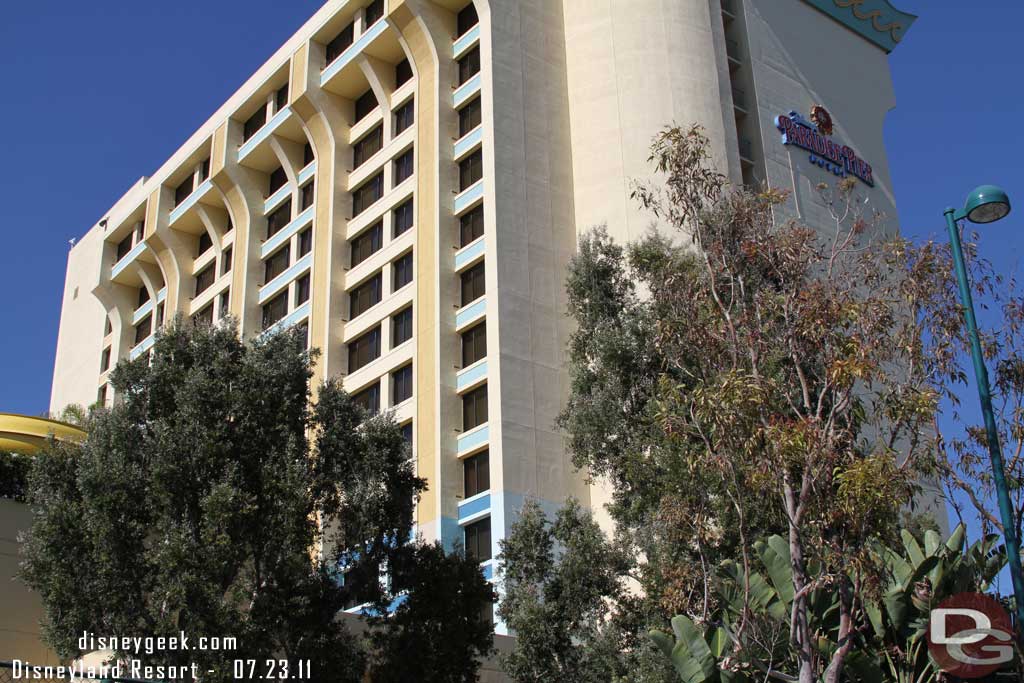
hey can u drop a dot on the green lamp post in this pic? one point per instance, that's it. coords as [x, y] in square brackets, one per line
[987, 204]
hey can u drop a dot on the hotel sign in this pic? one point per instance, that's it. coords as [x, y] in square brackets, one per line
[816, 138]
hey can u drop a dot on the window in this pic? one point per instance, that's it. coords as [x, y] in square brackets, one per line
[280, 218]
[281, 98]
[477, 476]
[254, 123]
[469, 65]
[143, 296]
[143, 330]
[276, 263]
[307, 155]
[275, 309]
[159, 315]
[478, 540]
[101, 395]
[404, 116]
[204, 170]
[181, 192]
[305, 242]
[474, 408]
[225, 261]
[278, 178]
[205, 278]
[307, 192]
[369, 398]
[340, 42]
[401, 327]
[467, 18]
[471, 169]
[471, 225]
[401, 219]
[123, 247]
[364, 297]
[205, 242]
[403, 167]
[469, 117]
[407, 433]
[401, 385]
[364, 349]
[105, 360]
[401, 271]
[140, 231]
[474, 344]
[366, 103]
[403, 73]
[225, 298]
[108, 326]
[369, 192]
[374, 11]
[367, 146]
[367, 243]
[302, 290]
[302, 331]
[205, 316]
[473, 284]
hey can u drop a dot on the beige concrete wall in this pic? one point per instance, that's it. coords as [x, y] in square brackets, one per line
[21, 608]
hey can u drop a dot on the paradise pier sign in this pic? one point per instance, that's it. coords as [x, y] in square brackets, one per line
[815, 137]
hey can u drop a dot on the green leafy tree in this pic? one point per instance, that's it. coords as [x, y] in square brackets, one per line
[200, 503]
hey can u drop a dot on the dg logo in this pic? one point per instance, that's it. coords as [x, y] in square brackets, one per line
[970, 635]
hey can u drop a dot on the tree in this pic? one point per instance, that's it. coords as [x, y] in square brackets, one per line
[199, 502]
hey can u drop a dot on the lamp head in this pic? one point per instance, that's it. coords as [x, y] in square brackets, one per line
[986, 204]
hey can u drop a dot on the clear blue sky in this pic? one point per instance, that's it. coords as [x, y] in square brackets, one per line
[111, 89]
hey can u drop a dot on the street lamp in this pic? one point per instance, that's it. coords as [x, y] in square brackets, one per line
[987, 204]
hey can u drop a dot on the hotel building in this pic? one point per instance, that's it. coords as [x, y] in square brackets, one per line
[406, 180]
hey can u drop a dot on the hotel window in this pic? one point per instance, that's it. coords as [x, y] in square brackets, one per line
[254, 123]
[205, 316]
[401, 385]
[305, 242]
[401, 219]
[205, 278]
[306, 195]
[108, 326]
[467, 18]
[302, 290]
[123, 247]
[469, 65]
[281, 98]
[401, 272]
[340, 42]
[205, 242]
[276, 263]
[181, 192]
[369, 398]
[476, 474]
[364, 349]
[367, 243]
[143, 296]
[374, 12]
[471, 225]
[366, 103]
[307, 155]
[471, 169]
[225, 260]
[101, 395]
[404, 116]
[369, 192]
[204, 170]
[367, 146]
[403, 167]
[406, 430]
[403, 73]
[278, 178]
[275, 309]
[281, 217]
[143, 329]
[474, 408]
[364, 297]
[159, 315]
[105, 360]
[469, 117]
[401, 327]
[225, 298]
[473, 284]
[478, 540]
[474, 344]
[302, 332]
